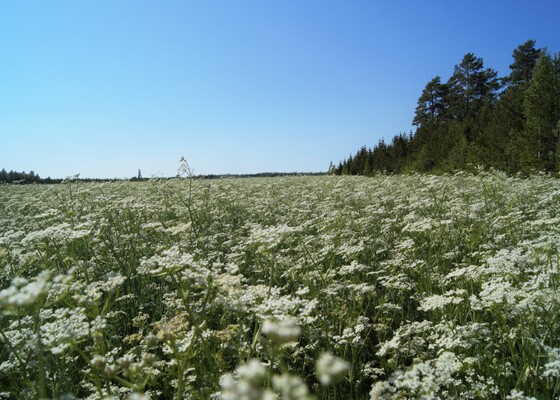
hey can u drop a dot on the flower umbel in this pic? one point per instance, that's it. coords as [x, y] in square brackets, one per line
[282, 331]
[330, 369]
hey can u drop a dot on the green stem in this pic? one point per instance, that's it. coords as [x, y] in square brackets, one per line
[42, 380]
[255, 340]
[87, 360]
[124, 382]
[12, 349]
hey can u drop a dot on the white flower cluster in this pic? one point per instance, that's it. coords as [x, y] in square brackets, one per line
[281, 331]
[267, 238]
[426, 380]
[330, 369]
[64, 327]
[248, 385]
[161, 286]
[24, 293]
[352, 335]
[437, 302]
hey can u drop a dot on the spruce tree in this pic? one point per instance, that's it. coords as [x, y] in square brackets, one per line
[541, 111]
[506, 129]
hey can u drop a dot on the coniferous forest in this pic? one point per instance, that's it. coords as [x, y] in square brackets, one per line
[475, 119]
[24, 177]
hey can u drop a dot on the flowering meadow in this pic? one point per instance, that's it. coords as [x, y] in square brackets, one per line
[389, 287]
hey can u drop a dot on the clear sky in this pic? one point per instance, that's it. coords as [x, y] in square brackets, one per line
[106, 87]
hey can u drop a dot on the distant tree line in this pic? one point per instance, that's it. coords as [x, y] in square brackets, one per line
[478, 119]
[31, 177]
[24, 177]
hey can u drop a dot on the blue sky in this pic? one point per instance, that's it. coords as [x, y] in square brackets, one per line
[106, 87]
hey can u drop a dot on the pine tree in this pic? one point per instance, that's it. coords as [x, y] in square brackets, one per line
[525, 57]
[469, 86]
[431, 104]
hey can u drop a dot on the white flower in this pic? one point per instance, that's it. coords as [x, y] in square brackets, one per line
[552, 367]
[66, 326]
[252, 372]
[425, 379]
[282, 331]
[98, 324]
[437, 302]
[248, 386]
[518, 395]
[290, 387]
[112, 280]
[98, 361]
[23, 293]
[381, 390]
[330, 369]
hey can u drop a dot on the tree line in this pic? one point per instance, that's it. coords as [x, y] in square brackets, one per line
[24, 177]
[476, 118]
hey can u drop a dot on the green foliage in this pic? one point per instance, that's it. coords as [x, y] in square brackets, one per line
[524, 59]
[19, 177]
[476, 118]
[431, 107]
[542, 111]
[469, 86]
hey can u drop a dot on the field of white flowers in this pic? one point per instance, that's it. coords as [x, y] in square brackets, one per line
[390, 287]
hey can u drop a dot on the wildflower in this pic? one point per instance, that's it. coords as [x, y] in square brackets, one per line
[282, 331]
[267, 238]
[519, 395]
[112, 280]
[65, 327]
[426, 379]
[23, 293]
[252, 372]
[330, 369]
[382, 390]
[99, 324]
[98, 361]
[290, 387]
[248, 386]
[437, 302]
[552, 367]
